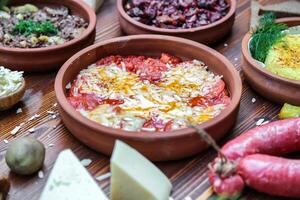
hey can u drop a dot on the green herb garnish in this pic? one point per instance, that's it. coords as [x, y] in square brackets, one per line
[265, 36]
[28, 27]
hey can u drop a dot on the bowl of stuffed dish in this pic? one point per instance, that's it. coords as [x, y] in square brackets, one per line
[146, 90]
[40, 35]
[275, 74]
[200, 20]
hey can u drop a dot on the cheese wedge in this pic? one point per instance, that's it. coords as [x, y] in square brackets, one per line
[69, 180]
[136, 178]
[95, 4]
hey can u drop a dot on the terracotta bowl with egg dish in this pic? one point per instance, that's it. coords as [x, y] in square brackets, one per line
[272, 65]
[40, 35]
[201, 20]
[147, 90]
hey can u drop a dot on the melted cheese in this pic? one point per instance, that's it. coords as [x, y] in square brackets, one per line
[167, 100]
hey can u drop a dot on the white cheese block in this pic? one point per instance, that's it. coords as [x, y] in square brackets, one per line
[136, 178]
[95, 4]
[69, 180]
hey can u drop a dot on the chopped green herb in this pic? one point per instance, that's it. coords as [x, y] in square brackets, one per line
[28, 27]
[265, 36]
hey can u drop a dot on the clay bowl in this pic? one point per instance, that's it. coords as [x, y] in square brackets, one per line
[156, 146]
[7, 102]
[269, 85]
[208, 34]
[50, 58]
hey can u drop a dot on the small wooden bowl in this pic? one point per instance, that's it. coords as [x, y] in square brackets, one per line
[50, 58]
[9, 101]
[269, 85]
[155, 145]
[208, 34]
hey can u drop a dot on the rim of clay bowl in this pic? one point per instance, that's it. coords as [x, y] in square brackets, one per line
[142, 135]
[92, 18]
[254, 63]
[230, 13]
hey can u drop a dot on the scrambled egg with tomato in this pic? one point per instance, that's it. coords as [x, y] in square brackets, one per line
[117, 93]
[283, 58]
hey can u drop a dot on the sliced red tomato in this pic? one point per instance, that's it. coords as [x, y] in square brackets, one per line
[168, 126]
[217, 89]
[167, 58]
[91, 101]
[158, 124]
[113, 101]
[198, 101]
[83, 102]
[151, 69]
[109, 60]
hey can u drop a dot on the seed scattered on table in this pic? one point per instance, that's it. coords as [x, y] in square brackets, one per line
[32, 130]
[50, 112]
[86, 162]
[19, 110]
[51, 145]
[15, 130]
[103, 177]
[41, 174]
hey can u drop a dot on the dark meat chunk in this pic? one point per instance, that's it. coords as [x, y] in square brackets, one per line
[175, 14]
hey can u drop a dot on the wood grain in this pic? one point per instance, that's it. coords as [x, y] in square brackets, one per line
[188, 176]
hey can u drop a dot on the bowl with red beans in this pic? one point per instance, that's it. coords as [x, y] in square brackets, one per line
[204, 21]
[147, 90]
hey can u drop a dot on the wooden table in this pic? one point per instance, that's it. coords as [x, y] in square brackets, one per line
[188, 176]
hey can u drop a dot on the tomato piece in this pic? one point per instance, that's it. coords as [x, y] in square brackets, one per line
[151, 69]
[158, 124]
[167, 58]
[117, 109]
[217, 89]
[198, 101]
[168, 126]
[109, 60]
[83, 102]
[113, 101]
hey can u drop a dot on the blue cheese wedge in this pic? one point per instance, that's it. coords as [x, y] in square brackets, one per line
[69, 180]
[95, 4]
[136, 178]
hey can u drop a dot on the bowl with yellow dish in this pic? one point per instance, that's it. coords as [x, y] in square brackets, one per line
[271, 62]
[12, 88]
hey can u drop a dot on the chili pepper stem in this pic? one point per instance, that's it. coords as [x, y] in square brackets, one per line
[210, 141]
[224, 167]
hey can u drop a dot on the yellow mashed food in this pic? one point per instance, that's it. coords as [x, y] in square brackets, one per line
[283, 58]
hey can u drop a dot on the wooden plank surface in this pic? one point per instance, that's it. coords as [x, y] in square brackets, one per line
[188, 176]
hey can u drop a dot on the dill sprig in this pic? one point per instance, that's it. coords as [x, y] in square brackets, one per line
[265, 36]
[28, 27]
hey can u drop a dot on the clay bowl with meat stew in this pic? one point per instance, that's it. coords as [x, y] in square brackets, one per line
[156, 145]
[207, 22]
[272, 86]
[40, 35]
